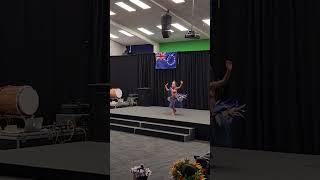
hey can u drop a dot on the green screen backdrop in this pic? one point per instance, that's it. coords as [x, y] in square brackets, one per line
[181, 46]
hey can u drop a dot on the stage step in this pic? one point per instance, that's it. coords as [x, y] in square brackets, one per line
[172, 132]
[123, 128]
[125, 122]
[163, 134]
[170, 128]
[151, 132]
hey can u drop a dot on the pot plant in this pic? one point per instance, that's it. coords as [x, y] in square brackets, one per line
[140, 172]
[225, 113]
[187, 170]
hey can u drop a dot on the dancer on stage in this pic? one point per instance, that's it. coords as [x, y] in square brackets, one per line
[174, 97]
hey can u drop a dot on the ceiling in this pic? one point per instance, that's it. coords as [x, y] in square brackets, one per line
[150, 18]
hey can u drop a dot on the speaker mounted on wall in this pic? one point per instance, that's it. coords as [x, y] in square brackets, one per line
[166, 20]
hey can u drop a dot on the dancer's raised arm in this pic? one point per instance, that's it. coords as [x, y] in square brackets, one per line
[181, 83]
[166, 87]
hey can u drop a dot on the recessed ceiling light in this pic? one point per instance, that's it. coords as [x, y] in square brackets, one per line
[140, 4]
[146, 31]
[207, 21]
[112, 13]
[178, 1]
[179, 27]
[125, 33]
[125, 6]
[160, 27]
[113, 36]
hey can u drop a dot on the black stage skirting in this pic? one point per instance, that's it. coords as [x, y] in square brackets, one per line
[198, 119]
[81, 160]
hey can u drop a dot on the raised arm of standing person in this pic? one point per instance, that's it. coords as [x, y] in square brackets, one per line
[166, 87]
[181, 83]
[225, 77]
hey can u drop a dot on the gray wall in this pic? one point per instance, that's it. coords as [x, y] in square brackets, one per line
[116, 49]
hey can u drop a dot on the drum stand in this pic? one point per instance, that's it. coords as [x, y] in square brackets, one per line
[8, 132]
[12, 120]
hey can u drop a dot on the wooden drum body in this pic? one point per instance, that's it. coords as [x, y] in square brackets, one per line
[115, 93]
[18, 100]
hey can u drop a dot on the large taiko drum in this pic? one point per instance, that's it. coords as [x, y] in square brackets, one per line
[18, 100]
[115, 93]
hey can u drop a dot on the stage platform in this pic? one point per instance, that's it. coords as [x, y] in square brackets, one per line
[186, 125]
[80, 160]
[156, 112]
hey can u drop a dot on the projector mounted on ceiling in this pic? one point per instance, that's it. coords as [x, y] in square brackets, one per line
[192, 35]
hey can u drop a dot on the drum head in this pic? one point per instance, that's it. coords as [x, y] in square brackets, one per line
[118, 93]
[28, 100]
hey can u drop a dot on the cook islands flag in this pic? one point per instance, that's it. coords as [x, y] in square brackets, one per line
[166, 60]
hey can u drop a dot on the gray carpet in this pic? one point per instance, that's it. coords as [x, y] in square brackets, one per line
[128, 150]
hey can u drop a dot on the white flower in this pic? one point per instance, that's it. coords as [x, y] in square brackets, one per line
[140, 171]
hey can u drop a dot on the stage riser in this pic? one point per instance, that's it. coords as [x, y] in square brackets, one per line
[153, 120]
[38, 173]
[201, 131]
[125, 122]
[156, 126]
[12, 144]
[116, 127]
[153, 132]
[162, 135]
[167, 128]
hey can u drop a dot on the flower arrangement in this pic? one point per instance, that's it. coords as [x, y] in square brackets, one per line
[140, 172]
[204, 161]
[187, 170]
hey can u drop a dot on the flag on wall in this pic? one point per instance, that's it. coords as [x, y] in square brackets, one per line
[166, 60]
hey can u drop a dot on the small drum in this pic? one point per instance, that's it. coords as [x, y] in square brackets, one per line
[115, 93]
[18, 100]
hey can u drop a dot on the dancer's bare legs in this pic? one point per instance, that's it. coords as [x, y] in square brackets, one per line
[174, 111]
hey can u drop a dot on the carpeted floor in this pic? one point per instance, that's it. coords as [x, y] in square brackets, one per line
[128, 150]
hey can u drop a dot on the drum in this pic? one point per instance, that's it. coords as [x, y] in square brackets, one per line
[18, 100]
[115, 93]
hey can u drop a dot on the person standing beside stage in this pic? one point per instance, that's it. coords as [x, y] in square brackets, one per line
[173, 99]
[215, 85]
[213, 98]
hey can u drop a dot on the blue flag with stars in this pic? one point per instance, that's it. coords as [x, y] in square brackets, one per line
[166, 60]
